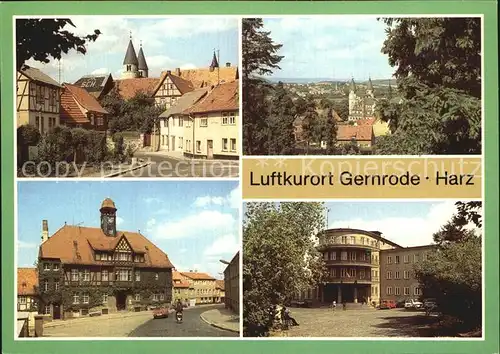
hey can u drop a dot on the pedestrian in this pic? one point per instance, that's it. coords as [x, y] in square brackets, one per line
[344, 305]
[334, 305]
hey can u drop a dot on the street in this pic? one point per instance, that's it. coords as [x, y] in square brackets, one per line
[164, 166]
[192, 326]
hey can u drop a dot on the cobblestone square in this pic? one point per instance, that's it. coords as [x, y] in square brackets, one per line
[369, 322]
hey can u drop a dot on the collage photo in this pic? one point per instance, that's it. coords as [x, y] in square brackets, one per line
[248, 178]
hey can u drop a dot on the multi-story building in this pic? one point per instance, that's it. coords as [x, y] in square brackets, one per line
[361, 135]
[219, 291]
[97, 85]
[171, 122]
[352, 260]
[37, 99]
[84, 270]
[203, 285]
[361, 107]
[183, 290]
[232, 284]
[211, 126]
[79, 109]
[398, 281]
[27, 284]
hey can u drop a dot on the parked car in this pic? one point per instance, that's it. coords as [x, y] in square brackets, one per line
[400, 304]
[161, 312]
[387, 304]
[412, 304]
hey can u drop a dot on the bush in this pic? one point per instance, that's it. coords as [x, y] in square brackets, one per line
[130, 151]
[119, 150]
[96, 149]
[27, 135]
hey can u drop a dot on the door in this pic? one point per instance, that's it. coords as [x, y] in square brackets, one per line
[210, 149]
[56, 311]
[121, 300]
[173, 144]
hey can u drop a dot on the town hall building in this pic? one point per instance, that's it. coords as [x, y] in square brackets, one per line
[89, 270]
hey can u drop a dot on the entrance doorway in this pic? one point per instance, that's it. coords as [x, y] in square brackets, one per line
[210, 149]
[121, 300]
[56, 311]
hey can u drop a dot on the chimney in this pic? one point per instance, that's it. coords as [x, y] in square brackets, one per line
[228, 65]
[178, 71]
[45, 230]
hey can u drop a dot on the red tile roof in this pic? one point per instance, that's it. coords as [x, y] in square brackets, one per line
[70, 112]
[224, 97]
[182, 85]
[27, 281]
[197, 276]
[203, 77]
[366, 121]
[85, 99]
[357, 132]
[128, 88]
[219, 284]
[75, 245]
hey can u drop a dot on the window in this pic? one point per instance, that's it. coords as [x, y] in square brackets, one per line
[162, 297]
[164, 123]
[396, 260]
[406, 290]
[100, 121]
[397, 291]
[155, 297]
[198, 146]
[22, 299]
[129, 67]
[344, 239]
[181, 121]
[343, 255]
[46, 266]
[415, 258]
[389, 290]
[137, 297]
[56, 286]
[361, 274]
[203, 122]
[86, 275]
[389, 275]
[97, 256]
[406, 274]
[333, 256]
[325, 256]
[105, 299]
[228, 118]
[352, 256]
[353, 240]
[233, 144]
[224, 144]
[46, 310]
[85, 298]
[137, 276]
[74, 275]
[105, 275]
[389, 260]
[76, 298]
[417, 291]
[45, 285]
[156, 276]
[124, 275]
[180, 141]
[406, 259]
[396, 275]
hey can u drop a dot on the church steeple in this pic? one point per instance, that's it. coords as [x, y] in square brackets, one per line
[108, 217]
[215, 62]
[143, 66]
[353, 86]
[130, 62]
[369, 90]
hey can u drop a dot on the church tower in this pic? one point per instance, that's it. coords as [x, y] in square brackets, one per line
[143, 66]
[352, 96]
[108, 217]
[369, 90]
[130, 62]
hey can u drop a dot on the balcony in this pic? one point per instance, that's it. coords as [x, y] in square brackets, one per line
[324, 246]
[355, 262]
[348, 280]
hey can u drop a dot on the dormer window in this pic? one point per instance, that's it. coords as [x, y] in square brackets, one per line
[129, 67]
[46, 266]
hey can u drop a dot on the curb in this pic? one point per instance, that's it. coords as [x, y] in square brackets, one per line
[188, 159]
[115, 174]
[218, 326]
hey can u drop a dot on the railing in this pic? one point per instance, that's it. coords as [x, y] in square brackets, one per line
[361, 262]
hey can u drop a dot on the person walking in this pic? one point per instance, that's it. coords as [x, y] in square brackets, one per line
[344, 305]
[334, 305]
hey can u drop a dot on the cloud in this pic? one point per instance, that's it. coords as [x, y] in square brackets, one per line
[150, 200]
[119, 221]
[232, 200]
[205, 222]
[100, 71]
[405, 231]
[224, 245]
[26, 245]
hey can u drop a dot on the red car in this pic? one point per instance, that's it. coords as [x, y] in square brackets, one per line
[161, 312]
[387, 304]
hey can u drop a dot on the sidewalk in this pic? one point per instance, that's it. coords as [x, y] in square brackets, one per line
[112, 316]
[179, 155]
[223, 319]
[118, 170]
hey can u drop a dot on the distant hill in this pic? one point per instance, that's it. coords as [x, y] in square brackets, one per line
[321, 80]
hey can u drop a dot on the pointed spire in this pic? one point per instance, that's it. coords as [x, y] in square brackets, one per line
[215, 63]
[130, 56]
[370, 85]
[142, 60]
[353, 85]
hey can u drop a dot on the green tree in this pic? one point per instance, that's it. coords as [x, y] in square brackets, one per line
[452, 274]
[280, 258]
[330, 133]
[39, 39]
[311, 124]
[27, 135]
[259, 58]
[79, 138]
[342, 108]
[281, 139]
[438, 63]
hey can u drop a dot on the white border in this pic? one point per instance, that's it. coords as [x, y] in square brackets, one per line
[240, 17]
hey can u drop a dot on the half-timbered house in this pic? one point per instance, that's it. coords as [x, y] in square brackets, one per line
[88, 270]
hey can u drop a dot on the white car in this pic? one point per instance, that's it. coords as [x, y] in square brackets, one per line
[413, 304]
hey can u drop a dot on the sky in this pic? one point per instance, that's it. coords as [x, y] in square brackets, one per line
[168, 43]
[195, 223]
[405, 223]
[337, 47]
